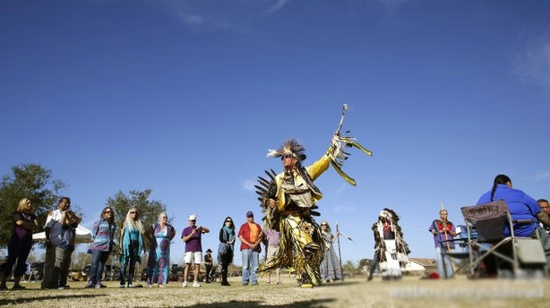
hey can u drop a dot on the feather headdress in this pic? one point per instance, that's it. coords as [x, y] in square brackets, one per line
[290, 146]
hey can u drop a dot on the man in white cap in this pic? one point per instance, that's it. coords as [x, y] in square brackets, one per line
[191, 236]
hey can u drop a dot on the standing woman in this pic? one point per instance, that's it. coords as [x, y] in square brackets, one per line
[19, 245]
[330, 267]
[131, 245]
[227, 244]
[159, 235]
[103, 236]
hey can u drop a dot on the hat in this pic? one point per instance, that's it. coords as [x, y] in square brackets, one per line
[192, 217]
[208, 250]
[249, 213]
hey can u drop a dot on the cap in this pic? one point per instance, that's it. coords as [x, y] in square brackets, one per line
[249, 213]
[208, 250]
[192, 217]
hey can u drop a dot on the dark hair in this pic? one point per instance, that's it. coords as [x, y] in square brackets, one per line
[102, 215]
[66, 199]
[542, 200]
[499, 179]
[232, 222]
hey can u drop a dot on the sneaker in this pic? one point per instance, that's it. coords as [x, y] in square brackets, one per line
[90, 286]
[100, 286]
[254, 283]
[121, 286]
[185, 284]
[18, 287]
[245, 283]
[64, 287]
[130, 286]
[196, 284]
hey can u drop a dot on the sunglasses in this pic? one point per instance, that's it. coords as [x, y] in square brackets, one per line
[228, 221]
[287, 156]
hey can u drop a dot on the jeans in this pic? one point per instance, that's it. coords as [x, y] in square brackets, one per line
[448, 264]
[251, 259]
[129, 261]
[545, 241]
[374, 264]
[99, 258]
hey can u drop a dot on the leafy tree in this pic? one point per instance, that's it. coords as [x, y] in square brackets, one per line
[27, 181]
[149, 210]
[348, 267]
[364, 264]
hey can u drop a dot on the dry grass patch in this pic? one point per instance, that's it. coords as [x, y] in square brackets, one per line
[410, 292]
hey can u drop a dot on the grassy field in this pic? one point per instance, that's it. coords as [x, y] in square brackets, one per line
[355, 292]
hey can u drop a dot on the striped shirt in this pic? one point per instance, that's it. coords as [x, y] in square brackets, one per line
[103, 235]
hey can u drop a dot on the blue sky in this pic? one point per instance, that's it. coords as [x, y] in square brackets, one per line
[186, 98]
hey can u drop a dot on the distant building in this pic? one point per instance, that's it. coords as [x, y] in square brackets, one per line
[420, 266]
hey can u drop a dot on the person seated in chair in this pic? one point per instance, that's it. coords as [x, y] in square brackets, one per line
[545, 207]
[521, 207]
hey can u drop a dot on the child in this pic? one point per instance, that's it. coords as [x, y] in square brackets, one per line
[69, 223]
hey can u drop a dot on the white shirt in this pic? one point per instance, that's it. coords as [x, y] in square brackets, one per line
[54, 223]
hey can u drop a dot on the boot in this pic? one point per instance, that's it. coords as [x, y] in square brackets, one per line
[16, 284]
[224, 279]
[3, 280]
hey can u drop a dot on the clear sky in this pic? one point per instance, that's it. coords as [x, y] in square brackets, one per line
[186, 97]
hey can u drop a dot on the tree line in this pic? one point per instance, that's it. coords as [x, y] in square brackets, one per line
[38, 184]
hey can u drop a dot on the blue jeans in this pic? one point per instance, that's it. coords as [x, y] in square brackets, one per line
[99, 258]
[374, 264]
[545, 241]
[251, 259]
[448, 264]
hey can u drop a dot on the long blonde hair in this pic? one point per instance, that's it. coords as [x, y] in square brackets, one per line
[134, 223]
[22, 206]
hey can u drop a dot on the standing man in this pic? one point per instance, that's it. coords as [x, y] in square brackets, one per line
[191, 236]
[55, 257]
[443, 230]
[545, 207]
[250, 235]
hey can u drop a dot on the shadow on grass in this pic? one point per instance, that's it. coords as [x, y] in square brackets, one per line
[339, 284]
[23, 300]
[246, 304]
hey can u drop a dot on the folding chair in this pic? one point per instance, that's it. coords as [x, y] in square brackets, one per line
[458, 252]
[514, 256]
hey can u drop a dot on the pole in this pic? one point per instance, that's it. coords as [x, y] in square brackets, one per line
[339, 252]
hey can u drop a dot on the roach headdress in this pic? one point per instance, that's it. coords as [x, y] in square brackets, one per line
[290, 146]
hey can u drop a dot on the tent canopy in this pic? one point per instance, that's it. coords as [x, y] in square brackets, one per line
[83, 235]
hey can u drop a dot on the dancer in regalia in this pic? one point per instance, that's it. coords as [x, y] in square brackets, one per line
[391, 249]
[288, 200]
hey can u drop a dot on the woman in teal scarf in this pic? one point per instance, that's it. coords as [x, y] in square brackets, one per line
[131, 245]
[227, 243]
